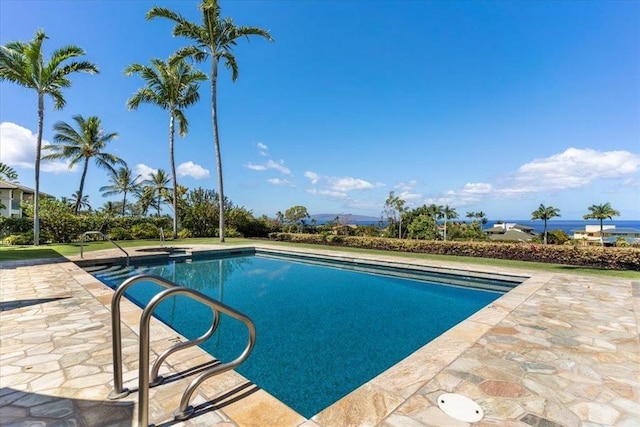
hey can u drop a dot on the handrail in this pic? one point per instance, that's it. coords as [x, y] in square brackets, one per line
[106, 237]
[184, 410]
[119, 391]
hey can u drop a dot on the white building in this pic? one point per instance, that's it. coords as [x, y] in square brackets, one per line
[11, 195]
[610, 234]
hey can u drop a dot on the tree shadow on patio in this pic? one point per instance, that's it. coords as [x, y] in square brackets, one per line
[23, 408]
[11, 305]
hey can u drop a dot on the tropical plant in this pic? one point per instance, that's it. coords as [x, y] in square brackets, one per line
[87, 142]
[394, 208]
[23, 63]
[601, 212]
[436, 212]
[158, 183]
[482, 218]
[296, 215]
[7, 173]
[449, 213]
[122, 182]
[146, 200]
[213, 39]
[172, 86]
[110, 208]
[78, 202]
[545, 213]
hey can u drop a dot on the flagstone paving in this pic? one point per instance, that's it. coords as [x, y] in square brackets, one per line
[559, 350]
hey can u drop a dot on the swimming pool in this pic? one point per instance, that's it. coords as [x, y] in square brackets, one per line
[322, 330]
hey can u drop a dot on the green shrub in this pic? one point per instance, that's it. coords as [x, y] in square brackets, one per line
[19, 239]
[15, 225]
[145, 231]
[120, 233]
[231, 232]
[587, 256]
[184, 234]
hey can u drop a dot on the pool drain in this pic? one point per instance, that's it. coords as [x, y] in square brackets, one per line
[460, 407]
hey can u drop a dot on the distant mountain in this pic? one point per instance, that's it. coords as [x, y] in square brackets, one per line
[344, 218]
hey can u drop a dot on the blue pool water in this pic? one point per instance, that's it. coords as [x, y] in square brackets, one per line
[321, 331]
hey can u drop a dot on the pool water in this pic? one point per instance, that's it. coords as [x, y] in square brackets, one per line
[321, 331]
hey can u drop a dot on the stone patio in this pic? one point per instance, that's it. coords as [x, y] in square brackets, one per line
[559, 350]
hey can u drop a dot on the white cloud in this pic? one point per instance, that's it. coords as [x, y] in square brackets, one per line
[574, 168]
[278, 166]
[328, 193]
[18, 150]
[270, 165]
[193, 170]
[410, 197]
[144, 171]
[349, 183]
[314, 177]
[255, 167]
[278, 181]
[406, 186]
[263, 150]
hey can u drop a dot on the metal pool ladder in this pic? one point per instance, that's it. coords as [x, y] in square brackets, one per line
[106, 237]
[184, 411]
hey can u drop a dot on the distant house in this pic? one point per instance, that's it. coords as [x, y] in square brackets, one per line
[11, 195]
[610, 234]
[511, 232]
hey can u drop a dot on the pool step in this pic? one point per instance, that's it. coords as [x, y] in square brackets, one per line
[116, 273]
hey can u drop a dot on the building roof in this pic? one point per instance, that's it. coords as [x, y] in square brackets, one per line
[4, 185]
[512, 235]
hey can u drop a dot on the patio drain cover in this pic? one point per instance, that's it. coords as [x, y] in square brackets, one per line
[460, 407]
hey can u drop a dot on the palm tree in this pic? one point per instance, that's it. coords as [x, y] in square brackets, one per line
[601, 212]
[449, 213]
[173, 87]
[146, 199]
[23, 63]
[8, 173]
[87, 142]
[545, 213]
[214, 38]
[482, 218]
[470, 215]
[158, 183]
[121, 182]
[80, 201]
[109, 208]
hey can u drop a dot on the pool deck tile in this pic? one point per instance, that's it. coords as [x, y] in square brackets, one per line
[558, 350]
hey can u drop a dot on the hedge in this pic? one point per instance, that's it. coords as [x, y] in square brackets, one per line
[611, 258]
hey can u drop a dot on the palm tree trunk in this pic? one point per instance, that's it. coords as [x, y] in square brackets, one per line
[445, 227]
[84, 174]
[173, 176]
[545, 232]
[124, 202]
[216, 140]
[36, 196]
[601, 236]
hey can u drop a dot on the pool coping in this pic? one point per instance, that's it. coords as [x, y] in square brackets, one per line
[386, 396]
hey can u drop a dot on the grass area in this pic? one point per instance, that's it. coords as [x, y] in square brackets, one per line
[12, 253]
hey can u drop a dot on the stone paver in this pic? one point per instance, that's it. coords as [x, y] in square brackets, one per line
[559, 350]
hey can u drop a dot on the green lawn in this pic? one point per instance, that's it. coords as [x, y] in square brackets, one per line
[11, 253]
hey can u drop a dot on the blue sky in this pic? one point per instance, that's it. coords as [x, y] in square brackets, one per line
[494, 106]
